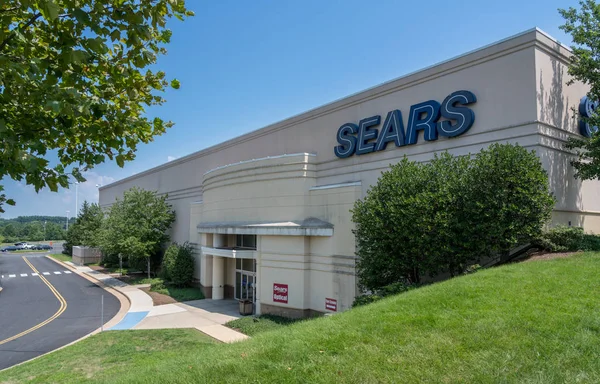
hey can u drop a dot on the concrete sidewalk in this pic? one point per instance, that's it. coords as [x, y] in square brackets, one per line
[207, 316]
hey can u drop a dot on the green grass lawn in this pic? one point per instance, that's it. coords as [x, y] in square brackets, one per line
[251, 326]
[29, 251]
[116, 354]
[62, 257]
[535, 322]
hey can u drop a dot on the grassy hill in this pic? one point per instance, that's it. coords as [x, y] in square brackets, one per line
[534, 322]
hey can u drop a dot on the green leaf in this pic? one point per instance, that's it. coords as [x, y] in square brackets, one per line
[97, 45]
[10, 202]
[78, 56]
[49, 9]
[81, 16]
[52, 184]
[53, 105]
[115, 35]
[120, 160]
[175, 84]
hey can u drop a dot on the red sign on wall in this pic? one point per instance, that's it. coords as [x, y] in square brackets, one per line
[331, 304]
[280, 293]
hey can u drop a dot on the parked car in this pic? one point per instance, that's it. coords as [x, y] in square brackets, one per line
[8, 248]
[24, 245]
[43, 247]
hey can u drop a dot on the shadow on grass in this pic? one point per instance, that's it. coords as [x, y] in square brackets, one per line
[253, 325]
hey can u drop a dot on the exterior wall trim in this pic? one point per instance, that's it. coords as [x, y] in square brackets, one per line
[260, 159]
[230, 253]
[340, 185]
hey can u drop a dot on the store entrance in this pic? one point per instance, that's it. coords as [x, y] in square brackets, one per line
[245, 279]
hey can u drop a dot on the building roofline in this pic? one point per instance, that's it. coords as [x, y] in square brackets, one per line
[350, 99]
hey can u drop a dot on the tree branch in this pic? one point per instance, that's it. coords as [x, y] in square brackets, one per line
[12, 35]
[9, 9]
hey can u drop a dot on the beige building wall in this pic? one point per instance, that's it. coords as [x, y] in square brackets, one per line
[287, 172]
[578, 202]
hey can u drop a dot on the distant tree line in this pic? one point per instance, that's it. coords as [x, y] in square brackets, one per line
[32, 228]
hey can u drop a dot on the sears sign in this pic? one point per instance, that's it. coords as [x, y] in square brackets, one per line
[427, 116]
[587, 108]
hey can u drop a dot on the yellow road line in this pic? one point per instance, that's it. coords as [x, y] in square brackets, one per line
[62, 301]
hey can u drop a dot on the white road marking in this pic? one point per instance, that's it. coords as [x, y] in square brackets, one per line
[45, 273]
[23, 275]
[67, 272]
[57, 273]
[2, 277]
[12, 276]
[34, 274]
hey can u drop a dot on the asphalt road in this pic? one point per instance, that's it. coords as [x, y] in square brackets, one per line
[41, 313]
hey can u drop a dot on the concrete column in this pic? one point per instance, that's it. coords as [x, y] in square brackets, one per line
[218, 280]
[257, 310]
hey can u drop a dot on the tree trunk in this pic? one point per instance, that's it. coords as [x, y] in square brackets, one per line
[148, 267]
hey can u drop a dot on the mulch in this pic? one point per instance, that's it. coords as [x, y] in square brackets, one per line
[159, 298]
[549, 256]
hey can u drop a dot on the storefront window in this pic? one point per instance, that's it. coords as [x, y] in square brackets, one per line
[246, 241]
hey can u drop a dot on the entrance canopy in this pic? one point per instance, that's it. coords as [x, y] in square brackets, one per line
[308, 227]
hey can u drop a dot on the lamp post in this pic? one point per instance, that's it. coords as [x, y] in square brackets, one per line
[76, 199]
[45, 230]
[68, 220]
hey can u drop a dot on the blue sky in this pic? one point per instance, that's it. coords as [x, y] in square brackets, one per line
[246, 64]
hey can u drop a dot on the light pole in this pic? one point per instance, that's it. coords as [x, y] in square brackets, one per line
[45, 230]
[68, 220]
[76, 199]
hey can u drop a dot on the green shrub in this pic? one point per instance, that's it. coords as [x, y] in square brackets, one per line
[590, 242]
[567, 239]
[561, 238]
[110, 260]
[365, 299]
[157, 286]
[141, 262]
[178, 264]
[388, 290]
[424, 219]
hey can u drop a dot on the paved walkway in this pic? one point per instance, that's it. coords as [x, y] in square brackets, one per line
[207, 316]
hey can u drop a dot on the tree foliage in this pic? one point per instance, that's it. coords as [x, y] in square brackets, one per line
[584, 25]
[75, 79]
[85, 230]
[440, 217]
[137, 225]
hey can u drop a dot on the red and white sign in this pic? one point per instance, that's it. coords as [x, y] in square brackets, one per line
[331, 304]
[280, 293]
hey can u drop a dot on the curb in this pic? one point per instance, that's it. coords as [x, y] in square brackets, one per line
[124, 313]
[123, 299]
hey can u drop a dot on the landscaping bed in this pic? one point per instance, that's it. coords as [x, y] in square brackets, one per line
[160, 288]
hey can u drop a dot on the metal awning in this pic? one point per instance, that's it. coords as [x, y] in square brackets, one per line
[308, 227]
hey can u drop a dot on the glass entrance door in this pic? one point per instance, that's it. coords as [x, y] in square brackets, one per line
[245, 280]
[247, 286]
